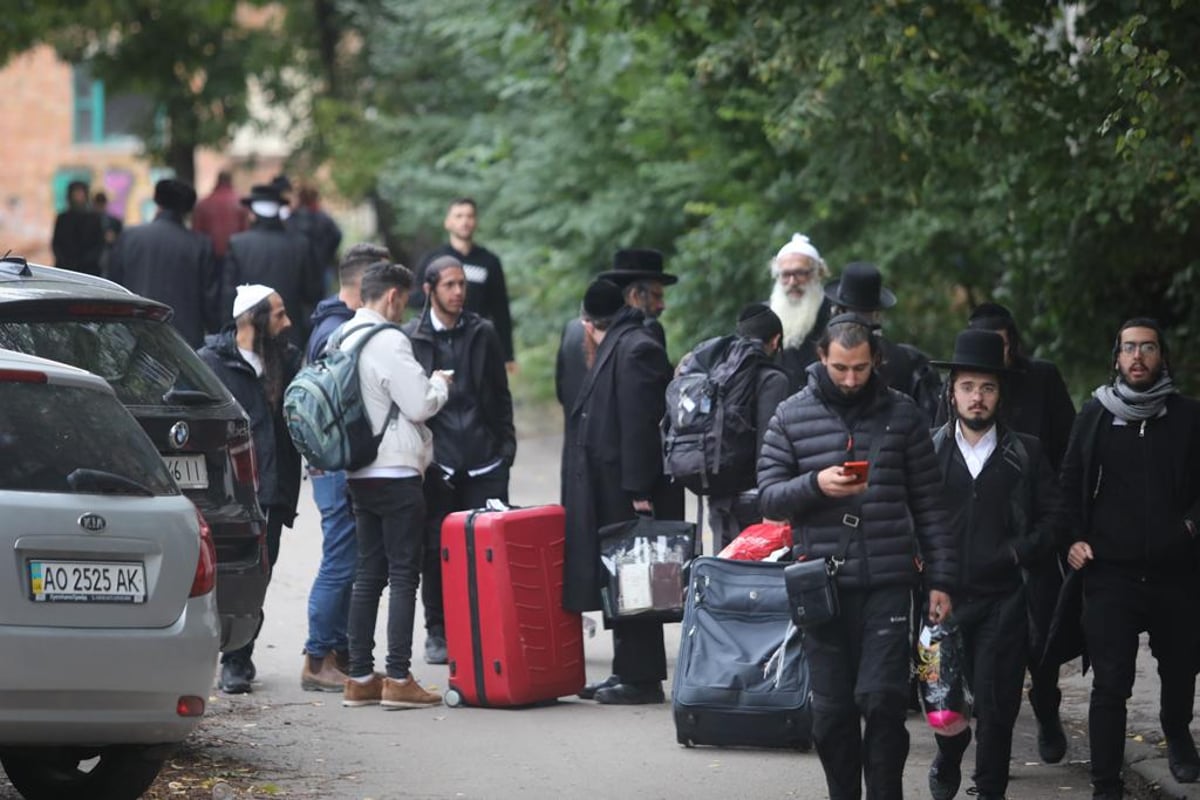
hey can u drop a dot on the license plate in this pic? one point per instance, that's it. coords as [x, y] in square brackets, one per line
[190, 472]
[88, 581]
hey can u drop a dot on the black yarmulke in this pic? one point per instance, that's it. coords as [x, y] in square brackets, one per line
[758, 321]
[602, 299]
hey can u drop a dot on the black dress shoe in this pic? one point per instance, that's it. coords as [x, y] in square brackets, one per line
[589, 692]
[236, 675]
[1182, 758]
[631, 694]
[1051, 739]
[945, 776]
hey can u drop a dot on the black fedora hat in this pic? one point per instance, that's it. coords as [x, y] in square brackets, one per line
[977, 351]
[860, 289]
[264, 191]
[635, 264]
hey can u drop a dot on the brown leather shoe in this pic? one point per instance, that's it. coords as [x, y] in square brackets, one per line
[322, 675]
[407, 694]
[363, 694]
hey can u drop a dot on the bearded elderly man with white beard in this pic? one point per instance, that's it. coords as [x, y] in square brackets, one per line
[797, 299]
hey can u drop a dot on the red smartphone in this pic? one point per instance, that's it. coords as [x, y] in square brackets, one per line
[856, 468]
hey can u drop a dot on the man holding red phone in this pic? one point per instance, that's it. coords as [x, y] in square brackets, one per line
[870, 528]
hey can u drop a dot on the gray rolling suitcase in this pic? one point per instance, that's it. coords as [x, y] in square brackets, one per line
[731, 686]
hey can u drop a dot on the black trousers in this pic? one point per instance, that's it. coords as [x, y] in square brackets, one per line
[1117, 606]
[859, 664]
[1045, 583]
[441, 498]
[995, 633]
[639, 654]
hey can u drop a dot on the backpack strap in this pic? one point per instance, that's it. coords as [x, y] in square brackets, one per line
[335, 342]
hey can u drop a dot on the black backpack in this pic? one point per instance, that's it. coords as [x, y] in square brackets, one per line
[709, 430]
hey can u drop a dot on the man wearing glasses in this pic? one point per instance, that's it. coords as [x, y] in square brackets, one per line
[796, 298]
[1131, 482]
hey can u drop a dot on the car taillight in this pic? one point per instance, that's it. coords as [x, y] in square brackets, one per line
[245, 465]
[205, 579]
[22, 376]
[101, 309]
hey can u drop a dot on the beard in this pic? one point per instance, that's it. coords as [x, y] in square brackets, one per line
[978, 423]
[797, 315]
[273, 352]
[1144, 383]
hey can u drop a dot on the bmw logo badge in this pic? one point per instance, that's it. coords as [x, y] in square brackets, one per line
[179, 435]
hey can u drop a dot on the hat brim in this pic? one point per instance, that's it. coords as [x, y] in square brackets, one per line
[624, 277]
[886, 298]
[964, 366]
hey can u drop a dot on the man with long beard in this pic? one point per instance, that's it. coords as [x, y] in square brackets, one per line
[796, 298]
[254, 357]
[1131, 482]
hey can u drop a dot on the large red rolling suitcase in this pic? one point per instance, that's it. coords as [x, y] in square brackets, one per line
[509, 641]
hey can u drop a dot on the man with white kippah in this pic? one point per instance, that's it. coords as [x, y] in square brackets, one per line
[796, 298]
[268, 254]
[254, 358]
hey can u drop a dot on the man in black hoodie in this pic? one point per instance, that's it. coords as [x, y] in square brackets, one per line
[326, 653]
[255, 360]
[1131, 481]
[474, 442]
[1006, 512]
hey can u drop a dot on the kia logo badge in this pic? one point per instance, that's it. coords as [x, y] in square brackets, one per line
[179, 435]
[92, 523]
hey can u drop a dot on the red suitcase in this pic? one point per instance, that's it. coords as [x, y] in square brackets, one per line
[509, 641]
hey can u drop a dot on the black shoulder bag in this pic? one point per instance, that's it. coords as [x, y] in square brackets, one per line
[812, 585]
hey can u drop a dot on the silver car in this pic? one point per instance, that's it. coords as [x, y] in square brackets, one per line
[108, 620]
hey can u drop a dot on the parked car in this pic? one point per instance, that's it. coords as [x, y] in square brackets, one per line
[200, 431]
[108, 616]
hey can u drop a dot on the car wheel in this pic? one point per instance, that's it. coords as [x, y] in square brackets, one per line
[121, 772]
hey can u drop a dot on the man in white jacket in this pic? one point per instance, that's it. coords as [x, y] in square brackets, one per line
[389, 504]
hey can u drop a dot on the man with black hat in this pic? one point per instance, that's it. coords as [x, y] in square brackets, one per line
[758, 385]
[166, 262]
[267, 253]
[869, 528]
[904, 367]
[487, 292]
[1131, 482]
[639, 273]
[616, 472]
[1006, 513]
[797, 273]
[1036, 401]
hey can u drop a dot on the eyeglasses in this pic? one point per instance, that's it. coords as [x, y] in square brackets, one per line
[986, 389]
[787, 276]
[1146, 348]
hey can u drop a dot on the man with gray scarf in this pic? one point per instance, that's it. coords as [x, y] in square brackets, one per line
[1131, 481]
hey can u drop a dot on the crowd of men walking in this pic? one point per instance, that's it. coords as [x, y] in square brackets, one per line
[988, 501]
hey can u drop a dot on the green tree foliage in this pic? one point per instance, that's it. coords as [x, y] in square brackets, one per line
[190, 59]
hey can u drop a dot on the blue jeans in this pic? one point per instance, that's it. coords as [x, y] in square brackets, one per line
[329, 600]
[391, 533]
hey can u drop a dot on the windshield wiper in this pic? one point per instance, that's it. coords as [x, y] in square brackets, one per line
[189, 397]
[95, 480]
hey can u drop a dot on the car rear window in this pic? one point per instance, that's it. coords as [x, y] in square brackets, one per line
[69, 439]
[141, 359]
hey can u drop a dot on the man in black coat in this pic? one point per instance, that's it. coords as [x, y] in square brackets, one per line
[1131, 482]
[797, 272]
[270, 255]
[640, 275]
[905, 368]
[860, 659]
[78, 241]
[487, 293]
[165, 261]
[1006, 514]
[254, 358]
[615, 473]
[474, 441]
[1036, 401]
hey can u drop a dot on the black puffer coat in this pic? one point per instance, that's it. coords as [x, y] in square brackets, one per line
[903, 509]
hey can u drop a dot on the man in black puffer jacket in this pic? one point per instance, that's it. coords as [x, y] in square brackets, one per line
[860, 660]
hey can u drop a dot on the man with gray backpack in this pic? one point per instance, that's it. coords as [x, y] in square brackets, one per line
[718, 405]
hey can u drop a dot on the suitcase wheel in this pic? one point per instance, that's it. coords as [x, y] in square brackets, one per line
[453, 698]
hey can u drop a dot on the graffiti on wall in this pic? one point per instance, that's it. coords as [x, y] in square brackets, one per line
[118, 184]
